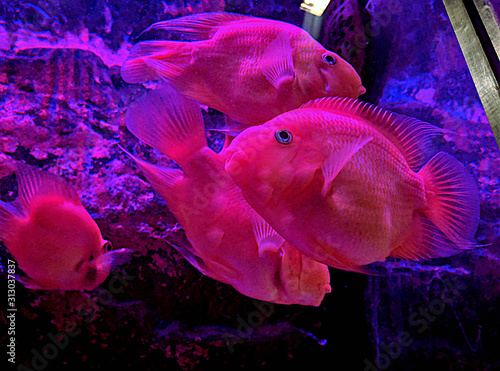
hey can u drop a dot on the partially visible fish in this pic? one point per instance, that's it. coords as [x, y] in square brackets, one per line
[52, 237]
[229, 241]
[343, 180]
[250, 68]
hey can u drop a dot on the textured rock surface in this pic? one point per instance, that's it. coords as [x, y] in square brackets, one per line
[62, 109]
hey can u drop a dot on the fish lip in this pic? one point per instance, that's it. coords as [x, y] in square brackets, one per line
[234, 158]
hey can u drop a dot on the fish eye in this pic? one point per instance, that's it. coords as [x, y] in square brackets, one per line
[328, 58]
[108, 246]
[283, 136]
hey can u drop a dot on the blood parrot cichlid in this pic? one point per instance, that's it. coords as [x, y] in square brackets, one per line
[350, 184]
[229, 241]
[249, 68]
[52, 237]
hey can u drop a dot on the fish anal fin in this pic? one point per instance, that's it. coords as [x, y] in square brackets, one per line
[338, 159]
[277, 62]
[426, 241]
[162, 179]
[185, 248]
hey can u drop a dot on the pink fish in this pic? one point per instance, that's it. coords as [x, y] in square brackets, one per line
[229, 241]
[343, 182]
[250, 68]
[52, 237]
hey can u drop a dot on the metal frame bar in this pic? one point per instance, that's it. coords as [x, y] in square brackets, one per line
[477, 31]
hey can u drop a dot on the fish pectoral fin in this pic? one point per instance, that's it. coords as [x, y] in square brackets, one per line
[337, 160]
[277, 62]
[268, 240]
[114, 258]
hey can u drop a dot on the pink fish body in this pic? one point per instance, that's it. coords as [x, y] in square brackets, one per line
[51, 235]
[250, 68]
[229, 241]
[341, 180]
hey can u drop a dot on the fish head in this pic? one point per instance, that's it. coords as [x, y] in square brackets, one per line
[92, 270]
[72, 244]
[304, 280]
[338, 77]
[274, 161]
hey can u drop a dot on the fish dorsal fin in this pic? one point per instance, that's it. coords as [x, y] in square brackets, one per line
[200, 26]
[169, 122]
[268, 240]
[277, 61]
[414, 138]
[338, 159]
[34, 183]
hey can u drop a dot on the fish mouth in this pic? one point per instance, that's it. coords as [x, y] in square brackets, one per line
[361, 90]
[334, 88]
[236, 160]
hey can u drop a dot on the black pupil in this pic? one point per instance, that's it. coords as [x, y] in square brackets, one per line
[283, 136]
[330, 60]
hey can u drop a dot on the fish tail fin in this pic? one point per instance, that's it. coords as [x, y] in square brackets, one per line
[169, 122]
[150, 60]
[450, 222]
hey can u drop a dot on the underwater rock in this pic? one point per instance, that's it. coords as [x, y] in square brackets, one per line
[112, 20]
[346, 27]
